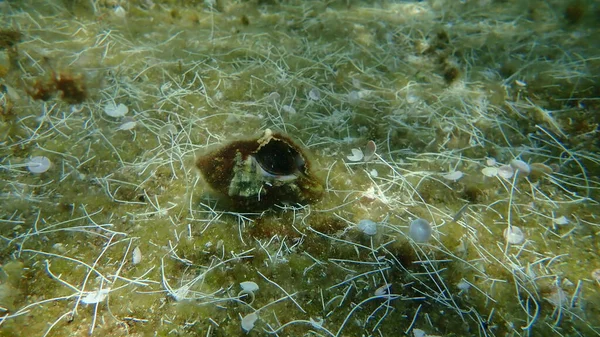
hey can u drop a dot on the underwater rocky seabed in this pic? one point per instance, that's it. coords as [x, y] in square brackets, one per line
[439, 86]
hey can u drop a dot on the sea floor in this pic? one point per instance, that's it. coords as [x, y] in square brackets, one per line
[478, 117]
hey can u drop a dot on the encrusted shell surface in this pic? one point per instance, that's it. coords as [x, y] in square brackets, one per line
[258, 173]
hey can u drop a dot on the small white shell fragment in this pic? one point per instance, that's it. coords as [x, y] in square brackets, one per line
[520, 166]
[136, 256]
[489, 171]
[38, 164]
[95, 296]
[505, 171]
[353, 97]
[383, 290]
[288, 109]
[453, 176]
[373, 173]
[128, 125]
[273, 97]
[520, 83]
[463, 285]
[249, 286]
[317, 323]
[419, 333]
[561, 220]
[314, 94]
[370, 150]
[420, 230]
[116, 110]
[167, 129]
[248, 321]
[357, 155]
[514, 235]
[367, 226]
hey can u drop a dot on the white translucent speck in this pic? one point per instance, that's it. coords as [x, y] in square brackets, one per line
[314, 94]
[367, 226]
[373, 173]
[95, 296]
[248, 321]
[249, 286]
[128, 125]
[288, 109]
[419, 333]
[38, 164]
[463, 285]
[505, 171]
[520, 166]
[167, 129]
[353, 97]
[420, 230]
[357, 155]
[273, 97]
[514, 235]
[116, 110]
[317, 323]
[489, 171]
[561, 220]
[453, 176]
[383, 290]
[136, 256]
[490, 161]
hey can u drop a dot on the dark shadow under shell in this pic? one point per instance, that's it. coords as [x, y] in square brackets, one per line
[279, 158]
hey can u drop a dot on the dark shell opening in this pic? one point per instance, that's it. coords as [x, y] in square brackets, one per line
[279, 158]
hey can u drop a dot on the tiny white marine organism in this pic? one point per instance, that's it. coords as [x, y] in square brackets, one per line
[357, 155]
[367, 226]
[420, 230]
[489, 171]
[248, 321]
[136, 256]
[514, 235]
[505, 171]
[38, 164]
[116, 110]
[453, 176]
[520, 167]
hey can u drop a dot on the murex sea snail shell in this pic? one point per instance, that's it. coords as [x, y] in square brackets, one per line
[258, 173]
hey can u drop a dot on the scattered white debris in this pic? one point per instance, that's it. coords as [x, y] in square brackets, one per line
[357, 155]
[128, 124]
[273, 97]
[514, 235]
[490, 171]
[249, 286]
[136, 256]
[453, 176]
[463, 285]
[95, 296]
[167, 129]
[367, 226]
[419, 333]
[420, 230]
[248, 322]
[314, 94]
[383, 290]
[561, 220]
[288, 109]
[116, 110]
[317, 323]
[520, 167]
[39, 164]
[505, 171]
[353, 97]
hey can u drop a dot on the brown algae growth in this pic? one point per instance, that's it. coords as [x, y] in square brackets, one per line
[386, 111]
